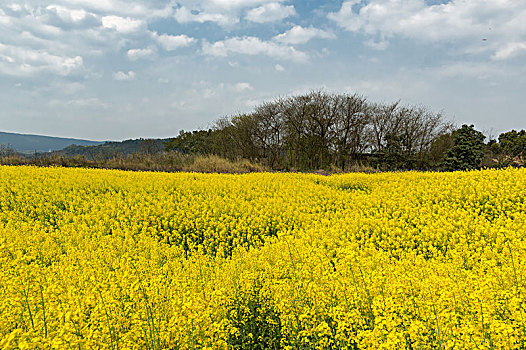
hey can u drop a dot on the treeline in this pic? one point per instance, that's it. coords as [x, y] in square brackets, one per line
[111, 149]
[321, 130]
[342, 132]
[313, 131]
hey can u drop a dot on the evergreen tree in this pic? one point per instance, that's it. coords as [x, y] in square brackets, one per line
[467, 151]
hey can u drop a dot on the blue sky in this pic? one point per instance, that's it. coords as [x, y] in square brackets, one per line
[116, 69]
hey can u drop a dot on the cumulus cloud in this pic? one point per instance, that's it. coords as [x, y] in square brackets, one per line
[499, 23]
[122, 76]
[66, 14]
[123, 8]
[136, 54]
[22, 61]
[228, 12]
[240, 87]
[510, 50]
[65, 34]
[301, 35]
[270, 12]
[173, 42]
[377, 44]
[279, 68]
[122, 25]
[226, 5]
[185, 15]
[412, 18]
[249, 45]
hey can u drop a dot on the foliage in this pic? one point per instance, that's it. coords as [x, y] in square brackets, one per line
[192, 142]
[438, 150]
[321, 130]
[253, 321]
[511, 148]
[513, 143]
[107, 259]
[112, 149]
[467, 151]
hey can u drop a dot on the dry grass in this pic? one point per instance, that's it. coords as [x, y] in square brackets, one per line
[215, 164]
[165, 161]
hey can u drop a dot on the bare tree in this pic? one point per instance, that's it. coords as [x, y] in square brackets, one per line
[316, 129]
[351, 129]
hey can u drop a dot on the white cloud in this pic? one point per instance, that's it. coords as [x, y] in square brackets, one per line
[67, 14]
[15, 7]
[412, 18]
[226, 5]
[21, 61]
[227, 12]
[123, 8]
[136, 54]
[4, 19]
[253, 46]
[279, 68]
[240, 87]
[173, 42]
[70, 88]
[270, 12]
[463, 22]
[122, 76]
[122, 25]
[185, 15]
[510, 50]
[301, 35]
[379, 45]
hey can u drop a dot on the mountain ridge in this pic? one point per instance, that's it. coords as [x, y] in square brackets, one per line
[31, 143]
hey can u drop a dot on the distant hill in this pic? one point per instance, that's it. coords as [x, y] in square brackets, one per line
[28, 144]
[110, 149]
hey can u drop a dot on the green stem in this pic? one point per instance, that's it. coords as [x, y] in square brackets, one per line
[43, 310]
[438, 327]
[26, 296]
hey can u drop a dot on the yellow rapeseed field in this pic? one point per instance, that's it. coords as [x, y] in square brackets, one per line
[104, 259]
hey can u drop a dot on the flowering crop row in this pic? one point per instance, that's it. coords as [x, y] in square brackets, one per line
[103, 259]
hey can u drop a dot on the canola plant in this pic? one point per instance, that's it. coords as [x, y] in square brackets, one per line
[104, 259]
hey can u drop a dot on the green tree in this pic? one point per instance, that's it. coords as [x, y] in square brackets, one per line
[512, 147]
[467, 151]
[192, 142]
[434, 158]
[395, 158]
